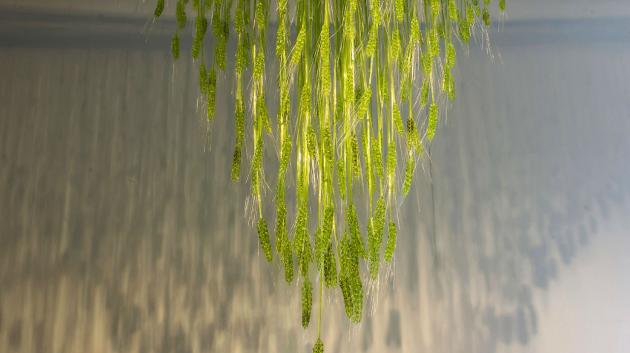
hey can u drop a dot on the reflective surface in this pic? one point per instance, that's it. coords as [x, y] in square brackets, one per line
[121, 231]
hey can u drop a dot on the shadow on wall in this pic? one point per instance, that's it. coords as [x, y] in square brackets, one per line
[122, 232]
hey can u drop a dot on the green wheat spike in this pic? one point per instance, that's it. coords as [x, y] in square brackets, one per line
[285, 154]
[464, 26]
[424, 92]
[330, 267]
[486, 17]
[203, 79]
[357, 297]
[395, 45]
[434, 43]
[239, 117]
[427, 64]
[319, 346]
[327, 226]
[307, 302]
[435, 8]
[413, 139]
[311, 142]
[377, 157]
[298, 48]
[180, 14]
[364, 104]
[453, 14]
[379, 216]
[391, 242]
[400, 10]
[260, 16]
[236, 164]
[370, 47]
[328, 148]
[373, 251]
[256, 168]
[355, 232]
[433, 119]
[470, 14]
[159, 8]
[391, 159]
[201, 27]
[281, 39]
[502, 5]
[259, 65]
[175, 46]
[356, 165]
[211, 92]
[302, 243]
[283, 244]
[450, 55]
[416, 35]
[263, 235]
[341, 179]
[324, 47]
[398, 120]
[347, 296]
[409, 171]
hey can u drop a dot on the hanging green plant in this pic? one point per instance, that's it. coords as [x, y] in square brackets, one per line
[354, 66]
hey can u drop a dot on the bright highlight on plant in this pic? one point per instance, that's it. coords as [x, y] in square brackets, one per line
[369, 80]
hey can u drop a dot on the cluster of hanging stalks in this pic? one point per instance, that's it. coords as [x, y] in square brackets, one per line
[370, 79]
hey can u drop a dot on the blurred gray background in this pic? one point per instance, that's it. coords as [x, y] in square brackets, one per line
[121, 232]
